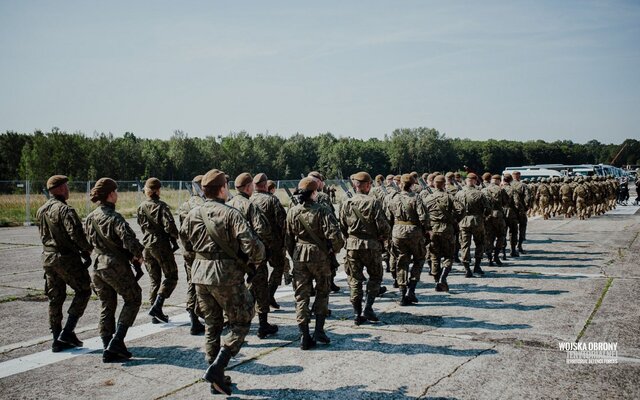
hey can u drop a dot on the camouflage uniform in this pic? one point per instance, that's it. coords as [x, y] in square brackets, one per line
[219, 277]
[189, 256]
[566, 193]
[495, 225]
[522, 191]
[511, 217]
[159, 230]
[63, 242]
[544, 198]
[112, 274]
[410, 222]
[364, 248]
[475, 208]
[579, 197]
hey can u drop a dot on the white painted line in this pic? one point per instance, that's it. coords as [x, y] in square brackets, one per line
[43, 358]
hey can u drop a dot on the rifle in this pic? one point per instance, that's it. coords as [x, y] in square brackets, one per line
[46, 193]
[422, 183]
[190, 188]
[395, 185]
[291, 196]
[345, 188]
[198, 189]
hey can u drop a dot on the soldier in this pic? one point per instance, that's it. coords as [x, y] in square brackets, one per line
[523, 193]
[259, 285]
[365, 227]
[475, 208]
[160, 237]
[443, 212]
[411, 227]
[224, 244]
[452, 188]
[380, 193]
[511, 213]
[192, 301]
[389, 180]
[116, 245]
[271, 187]
[579, 197]
[566, 193]
[543, 198]
[64, 249]
[495, 226]
[312, 234]
[271, 207]
[486, 180]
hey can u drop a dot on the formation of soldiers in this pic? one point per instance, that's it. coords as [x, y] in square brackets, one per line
[230, 241]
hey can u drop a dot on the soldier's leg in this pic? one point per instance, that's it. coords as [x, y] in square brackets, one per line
[169, 269]
[260, 293]
[237, 304]
[353, 266]
[77, 277]
[374, 270]
[302, 279]
[155, 274]
[478, 240]
[500, 229]
[456, 256]
[280, 264]
[447, 246]
[418, 255]
[108, 304]
[192, 301]
[522, 231]
[393, 263]
[435, 254]
[513, 234]
[56, 290]
[213, 319]
[122, 280]
[321, 272]
[465, 244]
[402, 268]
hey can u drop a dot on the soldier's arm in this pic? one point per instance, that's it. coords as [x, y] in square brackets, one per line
[331, 229]
[344, 225]
[260, 223]
[168, 223]
[423, 215]
[384, 229]
[185, 234]
[249, 242]
[73, 226]
[128, 237]
[289, 237]
[280, 214]
[140, 217]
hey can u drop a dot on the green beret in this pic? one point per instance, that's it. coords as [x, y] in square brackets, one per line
[56, 181]
[243, 179]
[361, 177]
[407, 178]
[215, 177]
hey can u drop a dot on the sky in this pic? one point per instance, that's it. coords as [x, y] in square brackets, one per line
[519, 70]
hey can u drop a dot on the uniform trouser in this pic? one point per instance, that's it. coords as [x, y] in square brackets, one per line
[236, 303]
[304, 272]
[259, 288]
[543, 205]
[522, 227]
[161, 261]
[280, 264]
[512, 224]
[67, 270]
[441, 247]
[581, 208]
[567, 205]
[466, 235]
[117, 279]
[192, 299]
[355, 264]
[409, 250]
[393, 258]
[495, 230]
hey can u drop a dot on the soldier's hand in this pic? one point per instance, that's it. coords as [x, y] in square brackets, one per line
[287, 278]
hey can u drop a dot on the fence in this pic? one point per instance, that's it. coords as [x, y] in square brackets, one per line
[20, 200]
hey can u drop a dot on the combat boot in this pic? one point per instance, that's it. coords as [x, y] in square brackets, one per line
[357, 311]
[496, 257]
[196, 326]
[272, 300]
[58, 346]
[215, 352]
[306, 341]
[514, 253]
[368, 310]
[318, 334]
[443, 286]
[156, 309]
[116, 345]
[265, 329]
[476, 267]
[411, 293]
[215, 373]
[404, 301]
[382, 290]
[388, 268]
[467, 270]
[334, 288]
[490, 257]
[105, 341]
[68, 336]
[520, 249]
[456, 258]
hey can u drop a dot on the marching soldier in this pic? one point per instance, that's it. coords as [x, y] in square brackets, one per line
[495, 226]
[117, 247]
[523, 193]
[160, 237]
[224, 245]
[259, 285]
[511, 213]
[66, 256]
[192, 301]
[475, 208]
[365, 227]
[312, 234]
[566, 193]
[411, 226]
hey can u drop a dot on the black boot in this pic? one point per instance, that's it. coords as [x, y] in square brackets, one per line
[215, 373]
[504, 253]
[456, 258]
[388, 268]
[520, 249]
[496, 257]
[334, 288]
[490, 257]
[306, 341]
[382, 290]
[318, 334]
[105, 341]
[68, 336]
[403, 297]
[265, 328]
[58, 346]
[357, 311]
[467, 270]
[272, 300]
[514, 253]
[411, 293]
[443, 286]
[394, 275]
[196, 326]
[116, 346]
[156, 309]
[368, 310]
[476, 267]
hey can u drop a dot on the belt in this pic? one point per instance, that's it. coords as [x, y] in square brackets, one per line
[404, 223]
[212, 256]
[50, 249]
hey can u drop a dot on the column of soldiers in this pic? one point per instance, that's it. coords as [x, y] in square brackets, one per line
[230, 241]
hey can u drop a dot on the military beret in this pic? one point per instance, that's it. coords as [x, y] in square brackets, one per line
[449, 175]
[102, 188]
[457, 175]
[396, 178]
[270, 184]
[153, 183]
[496, 176]
[516, 173]
[414, 174]
[379, 178]
[425, 176]
[508, 177]
[243, 179]
[56, 181]
[439, 179]
[361, 177]
[407, 178]
[259, 178]
[390, 176]
[486, 176]
[197, 179]
[471, 175]
[215, 177]
[317, 175]
[308, 183]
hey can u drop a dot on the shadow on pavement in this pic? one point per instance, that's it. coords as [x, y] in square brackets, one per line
[474, 287]
[179, 356]
[492, 304]
[255, 368]
[345, 392]
[405, 318]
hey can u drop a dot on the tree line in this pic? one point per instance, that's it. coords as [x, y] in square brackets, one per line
[36, 156]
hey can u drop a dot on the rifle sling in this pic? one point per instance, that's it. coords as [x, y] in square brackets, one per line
[108, 242]
[315, 239]
[213, 235]
[369, 225]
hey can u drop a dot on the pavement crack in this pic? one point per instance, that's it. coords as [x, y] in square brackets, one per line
[426, 390]
[595, 309]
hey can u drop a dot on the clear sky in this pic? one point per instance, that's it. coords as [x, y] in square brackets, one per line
[479, 69]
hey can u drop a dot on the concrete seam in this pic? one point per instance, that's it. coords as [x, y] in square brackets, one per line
[595, 309]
